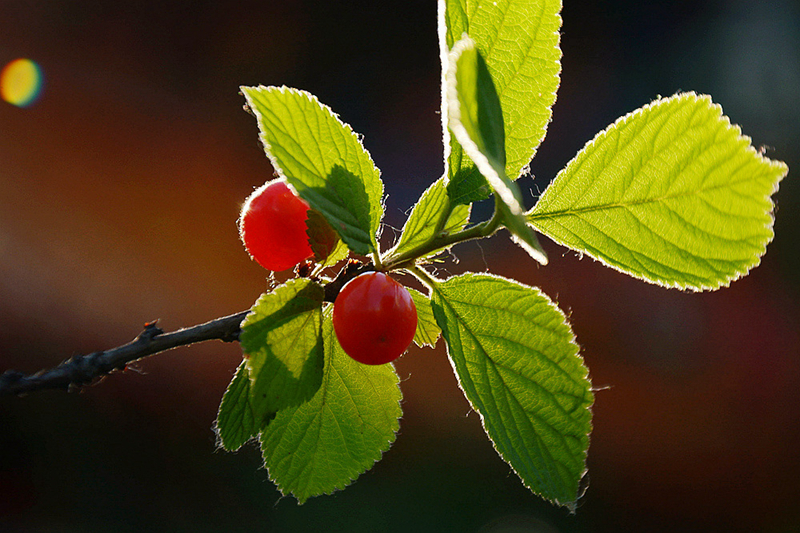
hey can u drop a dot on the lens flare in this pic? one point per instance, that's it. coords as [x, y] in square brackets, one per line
[21, 82]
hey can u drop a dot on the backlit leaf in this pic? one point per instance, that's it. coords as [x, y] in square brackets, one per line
[519, 39]
[324, 444]
[421, 223]
[477, 123]
[282, 338]
[236, 422]
[325, 242]
[517, 362]
[428, 330]
[322, 159]
[672, 194]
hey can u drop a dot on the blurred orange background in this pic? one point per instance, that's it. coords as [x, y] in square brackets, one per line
[119, 192]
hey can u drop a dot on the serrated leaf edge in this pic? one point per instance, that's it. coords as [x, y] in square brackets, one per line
[463, 137]
[217, 430]
[532, 215]
[443, 56]
[573, 340]
[460, 213]
[244, 89]
[375, 457]
[471, 149]
[421, 343]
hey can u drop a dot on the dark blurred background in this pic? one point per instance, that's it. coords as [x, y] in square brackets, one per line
[119, 192]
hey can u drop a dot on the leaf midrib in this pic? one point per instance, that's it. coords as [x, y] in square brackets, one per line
[509, 393]
[533, 215]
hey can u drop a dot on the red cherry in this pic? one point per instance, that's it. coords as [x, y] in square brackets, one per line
[273, 227]
[374, 318]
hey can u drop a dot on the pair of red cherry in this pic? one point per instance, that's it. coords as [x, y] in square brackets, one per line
[374, 317]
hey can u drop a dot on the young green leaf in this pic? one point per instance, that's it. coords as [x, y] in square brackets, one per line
[475, 108]
[339, 253]
[477, 123]
[476, 118]
[236, 422]
[672, 194]
[322, 159]
[465, 183]
[517, 362]
[324, 241]
[282, 338]
[325, 443]
[519, 39]
[422, 222]
[428, 330]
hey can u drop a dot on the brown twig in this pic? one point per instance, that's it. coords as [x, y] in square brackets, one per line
[82, 369]
[351, 269]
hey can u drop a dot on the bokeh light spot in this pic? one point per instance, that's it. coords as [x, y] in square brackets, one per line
[21, 82]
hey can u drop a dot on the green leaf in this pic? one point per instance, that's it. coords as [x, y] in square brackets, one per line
[428, 330]
[475, 113]
[339, 253]
[519, 39]
[236, 422]
[322, 159]
[324, 241]
[477, 123]
[518, 365]
[324, 444]
[282, 338]
[465, 183]
[672, 194]
[422, 222]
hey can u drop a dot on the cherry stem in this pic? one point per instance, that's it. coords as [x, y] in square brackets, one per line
[349, 271]
[81, 370]
[423, 276]
[440, 241]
